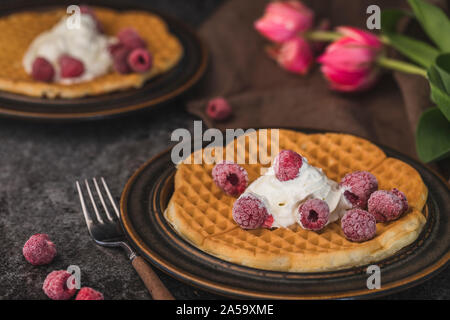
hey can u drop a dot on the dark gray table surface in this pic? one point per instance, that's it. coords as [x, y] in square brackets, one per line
[39, 164]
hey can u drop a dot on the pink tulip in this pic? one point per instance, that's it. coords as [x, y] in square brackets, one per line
[283, 20]
[349, 63]
[294, 55]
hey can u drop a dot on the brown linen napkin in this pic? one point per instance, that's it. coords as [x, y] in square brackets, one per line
[263, 95]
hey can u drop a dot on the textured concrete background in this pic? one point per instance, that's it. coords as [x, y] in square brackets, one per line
[39, 164]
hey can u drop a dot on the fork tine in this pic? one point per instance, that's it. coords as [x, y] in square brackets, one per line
[110, 218]
[111, 199]
[83, 205]
[99, 218]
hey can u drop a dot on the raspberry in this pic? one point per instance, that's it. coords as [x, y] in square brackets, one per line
[287, 165]
[250, 211]
[131, 39]
[314, 214]
[140, 60]
[42, 70]
[70, 67]
[218, 109]
[87, 293]
[230, 177]
[113, 47]
[120, 62]
[402, 197]
[358, 186]
[89, 11]
[268, 223]
[55, 285]
[39, 250]
[386, 205]
[358, 225]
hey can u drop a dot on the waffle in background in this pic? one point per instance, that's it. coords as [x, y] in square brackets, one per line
[20, 29]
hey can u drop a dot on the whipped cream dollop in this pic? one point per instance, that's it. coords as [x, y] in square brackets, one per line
[85, 43]
[283, 198]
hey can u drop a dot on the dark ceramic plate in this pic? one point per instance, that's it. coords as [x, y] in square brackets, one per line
[154, 93]
[147, 193]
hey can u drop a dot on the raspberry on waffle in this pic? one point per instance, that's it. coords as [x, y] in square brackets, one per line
[202, 213]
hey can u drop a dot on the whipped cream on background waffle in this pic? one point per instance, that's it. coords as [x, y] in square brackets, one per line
[284, 197]
[85, 43]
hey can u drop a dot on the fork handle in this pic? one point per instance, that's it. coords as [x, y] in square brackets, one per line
[151, 280]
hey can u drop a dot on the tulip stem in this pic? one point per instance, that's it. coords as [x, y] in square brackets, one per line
[401, 66]
[322, 35]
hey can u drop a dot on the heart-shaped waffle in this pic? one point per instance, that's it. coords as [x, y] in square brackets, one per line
[202, 213]
[20, 29]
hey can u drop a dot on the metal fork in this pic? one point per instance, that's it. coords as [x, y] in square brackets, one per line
[106, 231]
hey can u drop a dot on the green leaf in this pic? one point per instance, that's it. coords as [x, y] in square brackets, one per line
[434, 21]
[389, 19]
[443, 67]
[433, 136]
[418, 51]
[439, 77]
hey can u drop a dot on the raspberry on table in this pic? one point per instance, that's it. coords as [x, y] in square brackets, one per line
[230, 177]
[131, 38]
[358, 186]
[314, 214]
[55, 285]
[70, 67]
[42, 70]
[287, 165]
[218, 109]
[39, 250]
[250, 211]
[358, 225]
[140, 60]
[387, 205]
[87, 293]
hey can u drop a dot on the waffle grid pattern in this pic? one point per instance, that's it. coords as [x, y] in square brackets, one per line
[207, 220]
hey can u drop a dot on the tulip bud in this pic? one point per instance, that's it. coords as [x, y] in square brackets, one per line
[283, 20]
[294, 55]
[349, 62]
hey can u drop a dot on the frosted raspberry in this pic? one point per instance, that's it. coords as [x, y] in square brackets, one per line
[87, 293]
[287, 165]
[88, 10]
[230, 177]
[120, 55]
[314, 214]
[70, 66]
[402, 197]
[386, 205]
[268, 223]
[42, 70]
[358, 225]
[250, 211]
[39, 250]
[218, 109]
[358, 186]
[55, 285]
[131, 39]
[140, 60]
